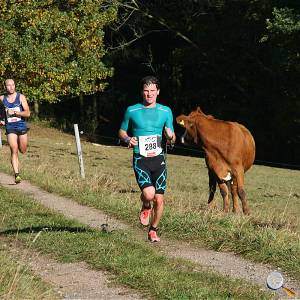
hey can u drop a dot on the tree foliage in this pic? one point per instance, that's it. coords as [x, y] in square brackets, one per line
[237, 59]
[55, 48]
[283, 32]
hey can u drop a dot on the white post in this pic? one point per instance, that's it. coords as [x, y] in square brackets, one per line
[79, 152]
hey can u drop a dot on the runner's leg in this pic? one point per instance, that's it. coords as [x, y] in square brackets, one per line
[12, 140]
[159, 176]
[158, 208]
[145, 213]
[22, 142]
[148, 194]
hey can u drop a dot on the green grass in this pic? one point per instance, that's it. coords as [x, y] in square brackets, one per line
[16, 281]
[269, 235]
[134, 263]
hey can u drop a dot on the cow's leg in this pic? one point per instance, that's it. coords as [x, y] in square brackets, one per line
[235, 196]
[212, 188]
[241, 191]
[220, 169]
[225, 194]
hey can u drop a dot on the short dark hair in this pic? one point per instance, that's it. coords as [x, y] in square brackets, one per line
[149, 80]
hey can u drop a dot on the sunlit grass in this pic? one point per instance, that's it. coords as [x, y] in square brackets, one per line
[270, 234]
[133, 263]
[18, 283]
[16, 280]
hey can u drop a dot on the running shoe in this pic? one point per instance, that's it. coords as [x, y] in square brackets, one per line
[145, 216]
[18, 179]
[152, 236]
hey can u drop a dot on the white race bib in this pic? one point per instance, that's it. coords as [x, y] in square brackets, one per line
[12, 119]
[150, 145]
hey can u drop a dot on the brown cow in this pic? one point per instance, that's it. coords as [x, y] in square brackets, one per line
[229, 152]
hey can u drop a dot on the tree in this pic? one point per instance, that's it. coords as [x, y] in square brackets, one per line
[282, 39]
[238, 59]
[55, 48]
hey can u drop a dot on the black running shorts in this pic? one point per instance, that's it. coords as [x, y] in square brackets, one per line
[150, 171]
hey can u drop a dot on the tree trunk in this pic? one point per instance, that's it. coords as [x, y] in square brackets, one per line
[36, 108]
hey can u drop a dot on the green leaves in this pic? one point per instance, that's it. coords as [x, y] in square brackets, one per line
[283, 35]
[55, 49]
[285, 21]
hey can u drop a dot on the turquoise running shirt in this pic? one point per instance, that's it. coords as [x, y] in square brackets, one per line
[147, 122]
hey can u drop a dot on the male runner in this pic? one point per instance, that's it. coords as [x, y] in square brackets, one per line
[16, 110]
[148, 121]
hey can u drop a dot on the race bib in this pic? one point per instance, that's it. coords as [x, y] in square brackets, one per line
[12, 119]
[150, 145]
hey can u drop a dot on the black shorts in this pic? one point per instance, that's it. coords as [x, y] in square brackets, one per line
[17, 131]
[151, 171]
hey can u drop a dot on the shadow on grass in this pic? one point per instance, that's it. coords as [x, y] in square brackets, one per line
[45, 229]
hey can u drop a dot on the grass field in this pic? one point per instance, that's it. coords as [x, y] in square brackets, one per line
[269, 235]
[16, 282]
[134, 263]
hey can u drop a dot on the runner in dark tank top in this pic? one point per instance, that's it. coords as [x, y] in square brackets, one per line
[16, 110]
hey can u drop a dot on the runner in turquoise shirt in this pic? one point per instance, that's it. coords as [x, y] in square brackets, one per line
[148, 121]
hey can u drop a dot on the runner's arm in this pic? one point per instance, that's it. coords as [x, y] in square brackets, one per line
[2, 112]
[170, 135]
[169, 129]
[130, 141]
[26, 111]
[123, 135]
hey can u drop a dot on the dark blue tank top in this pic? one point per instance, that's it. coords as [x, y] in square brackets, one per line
[16, 123]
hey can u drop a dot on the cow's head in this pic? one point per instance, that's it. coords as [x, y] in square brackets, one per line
[190, 134]
[189, 123]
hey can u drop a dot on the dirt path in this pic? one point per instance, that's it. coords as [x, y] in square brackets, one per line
[224, 263]
[72, 280]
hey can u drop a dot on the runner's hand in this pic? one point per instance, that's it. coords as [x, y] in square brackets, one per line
[132, 142]
[10, 112]
[169, 135]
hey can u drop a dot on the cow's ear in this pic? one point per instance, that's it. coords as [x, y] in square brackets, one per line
[182, 120]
